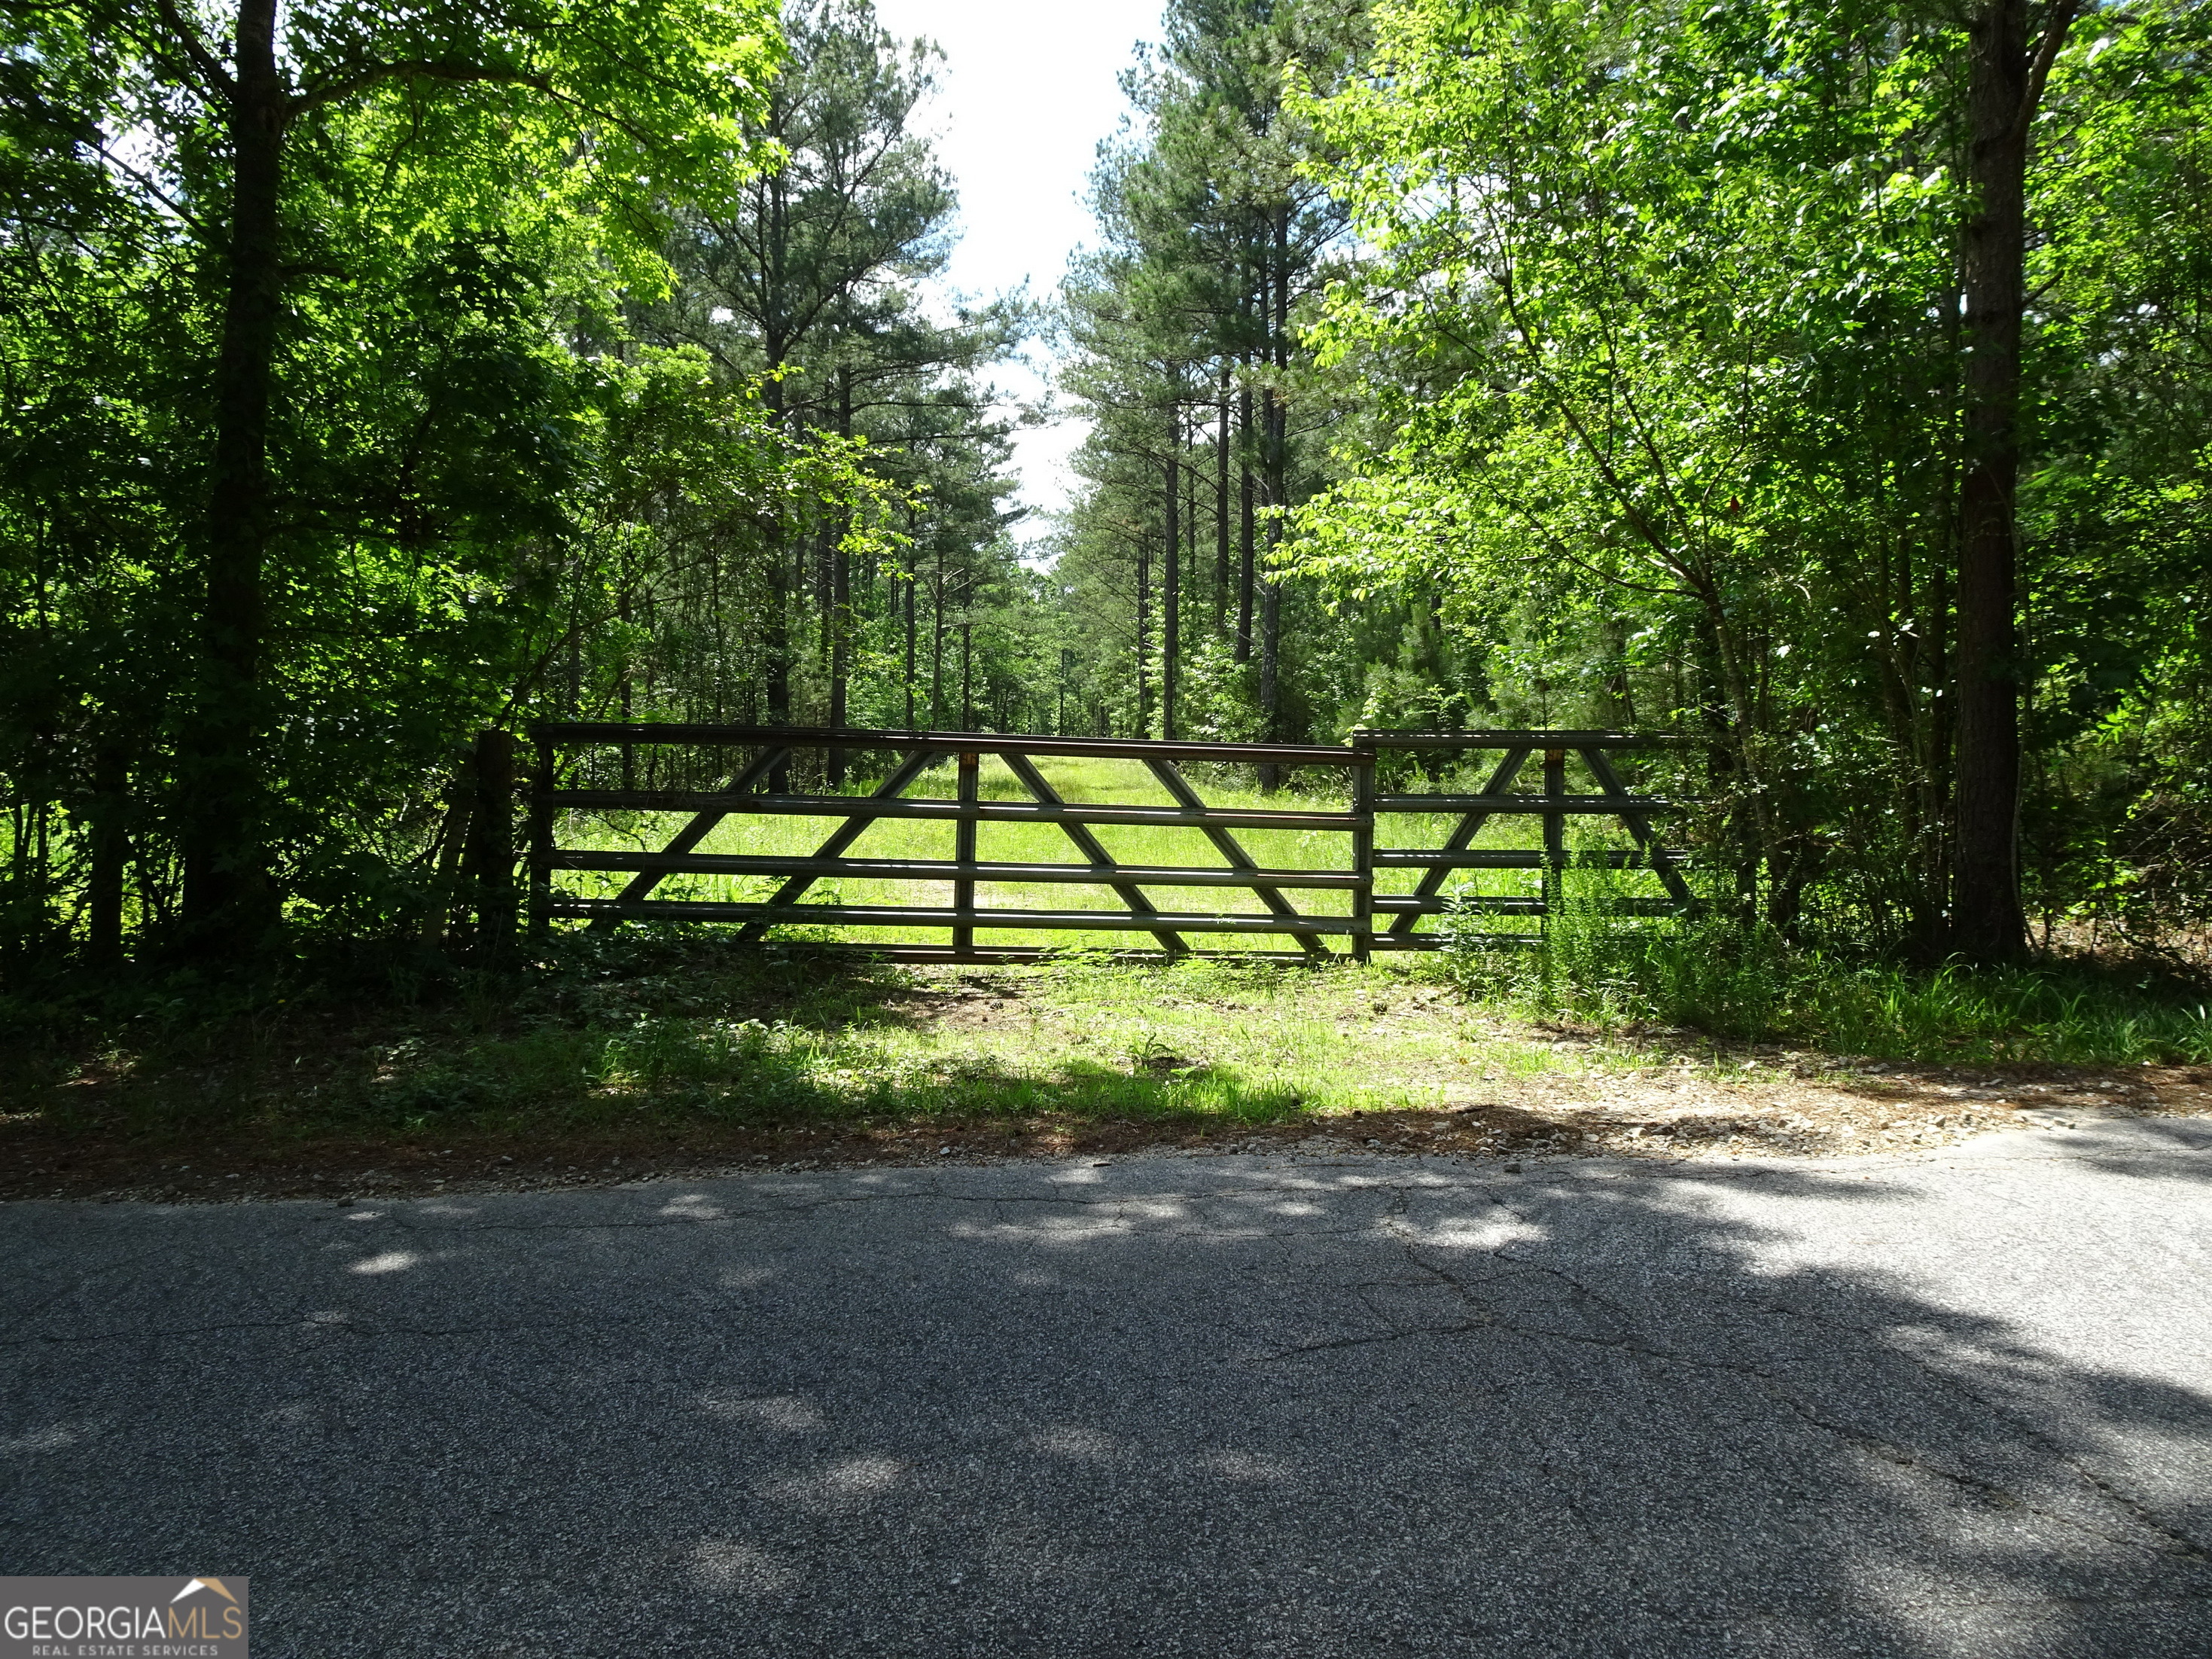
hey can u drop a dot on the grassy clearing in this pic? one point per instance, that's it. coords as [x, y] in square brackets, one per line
[688, 1051]
[691, 1048]
[696, 1031]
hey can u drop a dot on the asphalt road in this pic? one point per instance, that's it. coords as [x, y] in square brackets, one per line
[1955, 1405]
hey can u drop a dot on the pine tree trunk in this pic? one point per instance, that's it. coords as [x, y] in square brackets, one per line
[1144, 638]
[936, 647]
[1221, 511]
[1170, 585]
[967, 680]
[775, 619]
[1271, 597]
[1987, 923]
[228, 901]
[1245, 551]
[1275, 417]
[913, 592]
[1271, 602]
[839, 601]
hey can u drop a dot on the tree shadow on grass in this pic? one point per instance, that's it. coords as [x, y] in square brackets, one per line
[1192, 1406]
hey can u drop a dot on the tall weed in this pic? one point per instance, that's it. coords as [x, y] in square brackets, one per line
[1590, 963]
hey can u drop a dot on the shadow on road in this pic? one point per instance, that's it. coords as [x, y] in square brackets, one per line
[1203, 1407]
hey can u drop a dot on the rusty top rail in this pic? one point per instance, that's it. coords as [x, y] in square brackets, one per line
[974, 743]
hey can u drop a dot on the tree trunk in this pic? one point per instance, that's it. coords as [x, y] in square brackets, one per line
[936, 647]
[625, 706]
[775, 618]
[1987, 924]
[1144, 638]
[1725, 776]
[824, 580]
[1271, 595]
[110, 853]
[839, 601]
[967, 677]
[228, 901]
[1275, 417]
[489, 863]
[913, 591]
[1172, 584]
[1245, 549]
[1221, 510]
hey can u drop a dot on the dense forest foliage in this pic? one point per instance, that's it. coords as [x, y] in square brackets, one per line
[1829, 382]
[375, 375]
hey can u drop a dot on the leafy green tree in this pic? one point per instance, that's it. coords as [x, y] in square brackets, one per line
[1692, 331]
[467, 496]
[259, 143]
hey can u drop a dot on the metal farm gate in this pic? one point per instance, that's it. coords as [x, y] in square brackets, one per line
[593, 773]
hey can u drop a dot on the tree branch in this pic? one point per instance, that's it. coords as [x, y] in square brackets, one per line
[425, 69]
[2062, 13]
[205, 61]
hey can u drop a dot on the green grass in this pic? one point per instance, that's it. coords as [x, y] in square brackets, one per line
[647, 1035]
[675, 1031]
[1753, 985]
[669, 1031]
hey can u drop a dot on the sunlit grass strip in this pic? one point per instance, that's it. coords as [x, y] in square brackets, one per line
[1203, 1041]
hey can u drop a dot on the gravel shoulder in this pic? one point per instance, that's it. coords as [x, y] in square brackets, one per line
[1770, 1103]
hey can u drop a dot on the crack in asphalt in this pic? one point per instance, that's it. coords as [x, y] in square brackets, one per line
[2173, 1540]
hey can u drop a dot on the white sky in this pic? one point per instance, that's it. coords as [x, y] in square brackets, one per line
[1029, 87]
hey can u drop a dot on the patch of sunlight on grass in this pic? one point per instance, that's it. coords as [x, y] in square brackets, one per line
[1239, 1043]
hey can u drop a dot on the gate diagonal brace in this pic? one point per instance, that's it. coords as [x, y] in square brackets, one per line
[642, 883]
[1172, 780]
[1601, 765]
[1470, 826]
[1093, 850]
[847, 833]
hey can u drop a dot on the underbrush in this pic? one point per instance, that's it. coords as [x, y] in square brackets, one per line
[636, 1032]
[637, 1035]
[1751, 984]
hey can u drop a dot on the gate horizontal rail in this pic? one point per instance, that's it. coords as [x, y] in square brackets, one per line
[981, 743]
[1150, 875]
[1376, 921]
[1579, 806]
[989, 812]
[888, 916]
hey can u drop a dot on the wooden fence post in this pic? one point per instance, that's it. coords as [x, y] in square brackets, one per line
[541, 840]
[1363, 846]
[1555, 833]
[491, 847]
[964, 850]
